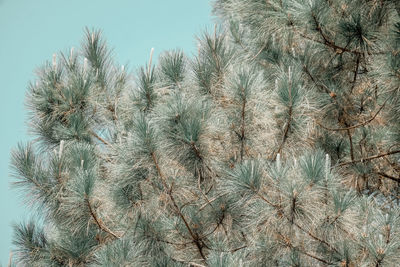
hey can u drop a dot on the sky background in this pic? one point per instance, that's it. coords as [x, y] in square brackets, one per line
[32, 30]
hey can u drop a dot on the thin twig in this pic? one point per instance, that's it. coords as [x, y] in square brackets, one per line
[355, 73]
[397, 180]
[259, 52]
[99, 138]
[296, 224]
[211, 200]
[369, 158]
[327, 41]
[242, 127]
[285, 133]
[288, 242]
[97, 220]
[178, 210]
[351, 145]
[354, 126]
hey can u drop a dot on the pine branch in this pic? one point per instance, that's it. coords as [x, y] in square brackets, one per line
[351, 144]
[99, 138]
[97, 220]
[281, 213]
[355, 73]
[327, 41]
[369, 158]
[247, 51]
[397, 180]
[318, 84]
[259, 51]
[178, 210]
[288, 242]
[354, 126]
[196, 150]
[315, 257]
[242, 128]
[285, 133]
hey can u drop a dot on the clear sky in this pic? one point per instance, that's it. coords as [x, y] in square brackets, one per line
[32, 30]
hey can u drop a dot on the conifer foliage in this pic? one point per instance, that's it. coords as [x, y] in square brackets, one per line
[277, 144]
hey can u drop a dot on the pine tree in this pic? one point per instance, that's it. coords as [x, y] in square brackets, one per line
[278, 144]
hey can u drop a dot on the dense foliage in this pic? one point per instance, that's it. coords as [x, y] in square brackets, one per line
[277, 144]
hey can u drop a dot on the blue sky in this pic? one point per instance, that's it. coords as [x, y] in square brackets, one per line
[32, 30]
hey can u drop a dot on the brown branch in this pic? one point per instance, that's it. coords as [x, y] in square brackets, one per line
[209, 201]
[246, 50]
[173, 243]
[285, 133]
[242, 129]
[288, 243]
[259, 52]
[196, 150]
[154, 158]
[97, 220]
[200, 157]
[354, 126]
[323, 87]
[314, 236]
[314, 257]
[331, 44]
[327, 41]
[178, 210]
[267, 201]
[369, 158]
[215, 228]
[99, 138]
[355, 73]
[149, 102]
[294, 223]
[351, 145]
[397, 180]
[36, 183]
[239, 248]
[288, 124]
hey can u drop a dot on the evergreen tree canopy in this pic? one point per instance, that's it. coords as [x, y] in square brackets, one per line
[277, 144]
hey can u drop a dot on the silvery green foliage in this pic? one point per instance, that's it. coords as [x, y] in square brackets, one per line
[277, 144]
